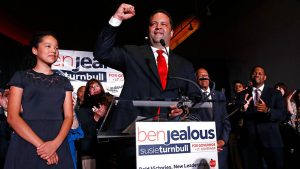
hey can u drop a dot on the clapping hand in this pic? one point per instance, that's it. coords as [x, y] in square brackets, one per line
[247, 102]
[261, 106]
[220, 144]
[100, 112]
[289, 104]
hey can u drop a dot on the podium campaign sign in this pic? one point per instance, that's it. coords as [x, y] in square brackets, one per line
[173, 145]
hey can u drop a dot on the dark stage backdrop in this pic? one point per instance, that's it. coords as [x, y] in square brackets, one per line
[256, 32]
[13, 56]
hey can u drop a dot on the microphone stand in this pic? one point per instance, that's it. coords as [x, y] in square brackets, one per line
[188, 80]
[229, 115]
[163, 43]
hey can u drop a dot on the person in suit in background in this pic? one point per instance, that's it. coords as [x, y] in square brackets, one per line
[216, 112]
[141, 73]
[262, 110]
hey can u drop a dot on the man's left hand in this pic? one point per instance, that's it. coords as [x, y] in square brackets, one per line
[261, 106]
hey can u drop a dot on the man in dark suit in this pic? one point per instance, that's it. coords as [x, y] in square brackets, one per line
[262, 110]
[139, 66]
[217, 112]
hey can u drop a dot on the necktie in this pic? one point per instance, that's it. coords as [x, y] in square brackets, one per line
[205, 95]
[257, 96]
[162, 68]
[163, 72]
[210, 107]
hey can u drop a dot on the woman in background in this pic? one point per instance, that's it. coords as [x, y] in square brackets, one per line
[91, 113]
[289, 103]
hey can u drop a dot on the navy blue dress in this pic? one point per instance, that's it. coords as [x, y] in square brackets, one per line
[42, 102]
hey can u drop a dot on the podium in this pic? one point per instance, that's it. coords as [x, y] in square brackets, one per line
[133, 139]
[154, 103]
[129, 132]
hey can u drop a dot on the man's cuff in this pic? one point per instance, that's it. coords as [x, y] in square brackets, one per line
[114, 22]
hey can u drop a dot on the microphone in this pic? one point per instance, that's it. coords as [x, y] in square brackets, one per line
[147, 40]
[213, 83]
[203, 78]
[212, 88]
[249, 84]
[163, 43]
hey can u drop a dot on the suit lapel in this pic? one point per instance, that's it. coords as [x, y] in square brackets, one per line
[151, 67]
[264, 93]
[172, 64]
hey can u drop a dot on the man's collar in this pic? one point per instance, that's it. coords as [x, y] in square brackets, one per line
[261, 88]
[207, 90]
[154, 49]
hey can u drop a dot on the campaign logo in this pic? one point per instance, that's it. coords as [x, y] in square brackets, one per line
[76, 63]
[156, 149]
[83, 76]
[171, 140]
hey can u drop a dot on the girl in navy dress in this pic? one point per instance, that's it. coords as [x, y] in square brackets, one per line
[40, 112]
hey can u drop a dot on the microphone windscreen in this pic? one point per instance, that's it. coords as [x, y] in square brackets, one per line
[162, 42]
[203, 78]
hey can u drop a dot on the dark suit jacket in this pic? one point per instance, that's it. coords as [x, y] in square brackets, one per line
[223, 126]
[138, 65]
[263, 127]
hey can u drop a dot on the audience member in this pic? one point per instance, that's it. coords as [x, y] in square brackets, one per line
[291, 133]
[79, 98]
[236, 122]
[216, 112]
[76, 131]
[296, 97]
[5, 130]
[91, 113]
[289, 104]
[78, 102]
[262, 111]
